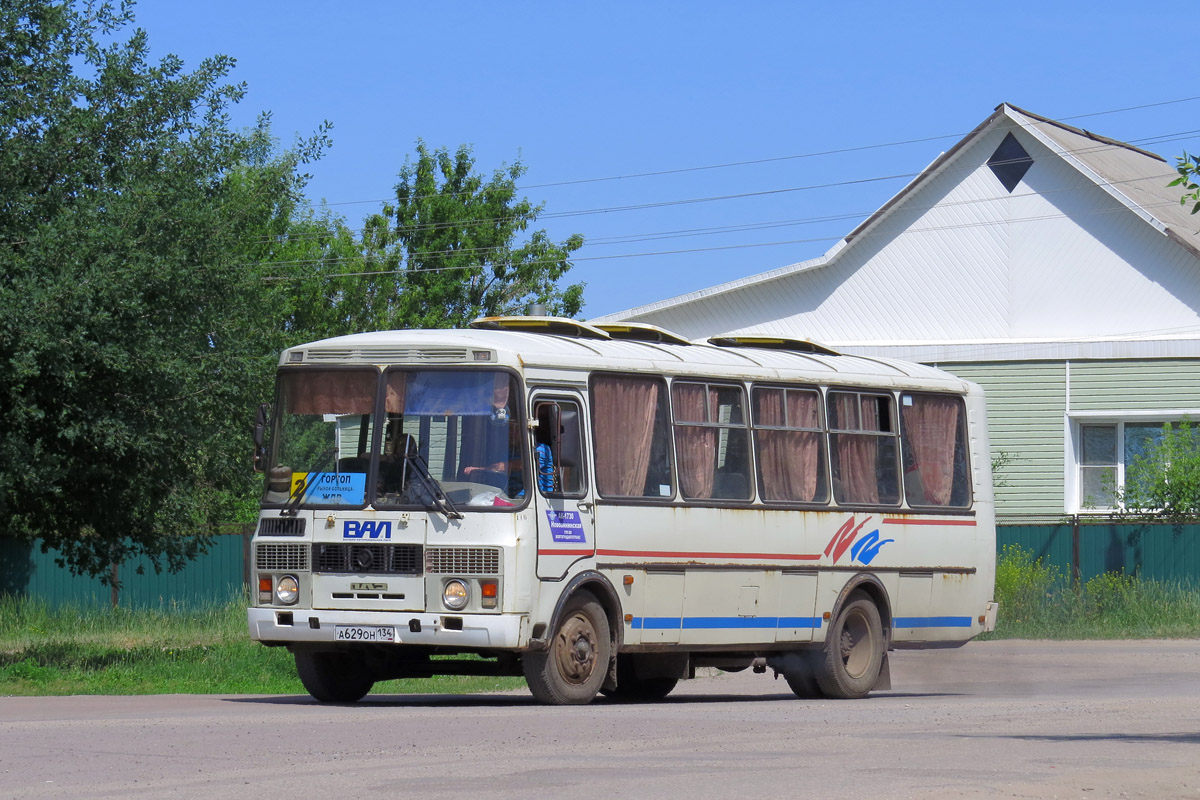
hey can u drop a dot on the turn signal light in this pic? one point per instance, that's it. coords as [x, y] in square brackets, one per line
[264, 589]
[489, 593]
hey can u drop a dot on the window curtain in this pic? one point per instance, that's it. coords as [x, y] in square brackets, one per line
[332, 392]
[696, 446]
[789, 460]
[394, 393]
[858, 453]
[623, 411]
[931, 432]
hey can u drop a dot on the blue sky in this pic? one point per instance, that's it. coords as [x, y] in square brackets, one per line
[625, 88]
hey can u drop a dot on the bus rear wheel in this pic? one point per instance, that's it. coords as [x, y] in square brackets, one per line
[849, 666]
[333, 677]
[572, 668]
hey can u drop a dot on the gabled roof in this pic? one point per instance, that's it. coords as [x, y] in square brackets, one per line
[1135, 178]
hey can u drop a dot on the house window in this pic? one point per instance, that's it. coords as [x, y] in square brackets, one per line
[1106, 449]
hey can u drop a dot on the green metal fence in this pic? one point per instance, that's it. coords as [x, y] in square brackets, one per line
[1084, 548]
[214, 577]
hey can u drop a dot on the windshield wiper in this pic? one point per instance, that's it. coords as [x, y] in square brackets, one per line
[293, 504]
[440, 499]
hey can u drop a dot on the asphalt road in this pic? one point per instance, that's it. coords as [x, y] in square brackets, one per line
[994, 719]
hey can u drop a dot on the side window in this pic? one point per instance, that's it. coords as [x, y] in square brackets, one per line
[711, 441]
[933, 440]
[863, 451]
[631, 437]
[789, 441]
[558, 448]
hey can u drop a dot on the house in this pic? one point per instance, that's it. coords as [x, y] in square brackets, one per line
[1051, 265]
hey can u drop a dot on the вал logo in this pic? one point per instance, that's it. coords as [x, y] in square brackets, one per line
[367, 529]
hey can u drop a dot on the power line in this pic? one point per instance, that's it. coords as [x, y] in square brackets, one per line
[457, 225]
[794, 157]
[931, 229]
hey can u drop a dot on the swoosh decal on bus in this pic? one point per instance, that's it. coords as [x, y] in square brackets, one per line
[671, 554]
[910, 521]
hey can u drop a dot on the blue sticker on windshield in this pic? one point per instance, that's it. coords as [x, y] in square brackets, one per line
[565, 526]
[332, 488]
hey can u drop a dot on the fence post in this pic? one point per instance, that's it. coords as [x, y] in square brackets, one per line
[1075, 572]
[116, 584]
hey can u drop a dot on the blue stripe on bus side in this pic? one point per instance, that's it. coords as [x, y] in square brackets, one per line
[931, 622]
[711, 623]
[732, 623]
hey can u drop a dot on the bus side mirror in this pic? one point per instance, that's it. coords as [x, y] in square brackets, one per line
[261, 421]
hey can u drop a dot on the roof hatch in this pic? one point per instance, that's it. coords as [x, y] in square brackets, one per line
[773, 343]
[557, 326]
[640, 332]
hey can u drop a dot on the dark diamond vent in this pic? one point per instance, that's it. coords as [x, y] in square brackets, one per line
[1010, 162]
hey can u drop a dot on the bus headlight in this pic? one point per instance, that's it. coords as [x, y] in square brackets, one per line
[455, 595]
[287, 590]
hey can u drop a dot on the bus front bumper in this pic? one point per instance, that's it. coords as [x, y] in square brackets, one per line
[312, 626]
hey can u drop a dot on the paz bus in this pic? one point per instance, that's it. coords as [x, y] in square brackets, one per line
[607, 508]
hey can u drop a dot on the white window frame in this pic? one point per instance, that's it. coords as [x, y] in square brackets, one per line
[1074, 446]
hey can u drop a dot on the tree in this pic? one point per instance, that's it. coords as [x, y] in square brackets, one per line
[1164, 481]
[445, 253]
[133, 344]
[1188, 168]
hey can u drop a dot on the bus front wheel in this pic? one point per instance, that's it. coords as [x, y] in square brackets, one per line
[853, 656]
[333, 677]
[572, 668]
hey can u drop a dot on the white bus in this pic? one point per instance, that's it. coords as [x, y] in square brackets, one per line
[608, 508]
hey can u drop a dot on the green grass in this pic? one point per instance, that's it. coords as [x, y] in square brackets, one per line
[1038, 602]
[61, 651]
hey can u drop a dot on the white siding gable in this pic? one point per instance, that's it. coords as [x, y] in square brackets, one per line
[957, 258]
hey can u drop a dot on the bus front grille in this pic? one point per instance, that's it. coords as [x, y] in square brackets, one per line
[462, 560]
[374, 559]
[281, 557]
[281, 526]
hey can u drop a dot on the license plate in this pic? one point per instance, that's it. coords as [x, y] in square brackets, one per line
[364, 633]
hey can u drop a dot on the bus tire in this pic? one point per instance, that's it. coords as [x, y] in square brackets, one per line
[333, 677]
[633, 689]
[849, 665]
[572, 668]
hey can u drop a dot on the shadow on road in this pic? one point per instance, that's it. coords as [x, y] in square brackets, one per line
[506, 700]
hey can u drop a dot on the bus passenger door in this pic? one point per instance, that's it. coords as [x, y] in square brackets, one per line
[566, 515]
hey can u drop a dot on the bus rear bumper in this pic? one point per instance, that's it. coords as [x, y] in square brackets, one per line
[313, 626]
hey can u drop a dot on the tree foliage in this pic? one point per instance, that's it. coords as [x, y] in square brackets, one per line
[1165, 481]
[153, 262]
[453, 246]
[131, 351]
[1188, 168]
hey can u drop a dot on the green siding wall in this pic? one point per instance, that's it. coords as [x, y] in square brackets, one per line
[1026, 410]
[214, 577]
[1126, 385]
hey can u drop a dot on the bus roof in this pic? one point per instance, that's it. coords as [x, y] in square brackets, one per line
[551, 348]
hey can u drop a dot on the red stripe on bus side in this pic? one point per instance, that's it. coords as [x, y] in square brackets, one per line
[907, 521]
[665, 554]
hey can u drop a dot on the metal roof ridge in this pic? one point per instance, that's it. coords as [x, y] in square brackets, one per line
[1082, 166]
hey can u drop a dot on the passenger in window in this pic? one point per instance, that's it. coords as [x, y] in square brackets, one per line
[547, 476]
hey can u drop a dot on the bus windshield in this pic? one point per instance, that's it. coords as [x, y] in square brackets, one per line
[461, 426]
